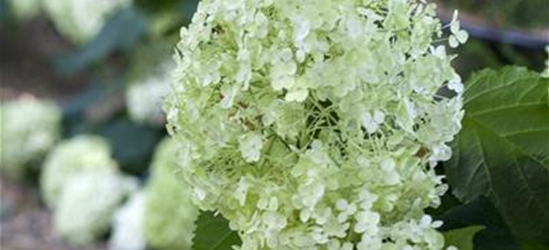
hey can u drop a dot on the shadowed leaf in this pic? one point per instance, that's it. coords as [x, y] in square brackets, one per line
[502, 151]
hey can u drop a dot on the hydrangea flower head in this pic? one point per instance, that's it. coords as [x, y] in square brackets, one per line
[127, 225]
[170, 214]
[87, 203]
[317, 124]
[80, 20]
[82, 153]
[144, 97]
[30, 128]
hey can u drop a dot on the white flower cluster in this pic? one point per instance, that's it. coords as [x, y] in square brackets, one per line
[81, 183]
[170, 214]
[29, 129]
[317, 124]
[87, 204]
[144, 98]
[79, 154]
[128, 225]
[80, 20]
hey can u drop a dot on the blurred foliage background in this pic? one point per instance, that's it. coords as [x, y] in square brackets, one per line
[91, 81]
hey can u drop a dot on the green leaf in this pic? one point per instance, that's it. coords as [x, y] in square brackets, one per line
[502, 151]
[482, 212]
[156, 5]
[462, 238]
[533, 246]
[213, 233]
[119, 33]
[3, 10]
[188, 8]
[132, 144]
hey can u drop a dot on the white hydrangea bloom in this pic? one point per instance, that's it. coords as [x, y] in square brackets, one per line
[87, 203]
[82, 153]
[80, 20]
[25, 9]
[144, 98]
[128, 225]
[30, 128]
[316, 124]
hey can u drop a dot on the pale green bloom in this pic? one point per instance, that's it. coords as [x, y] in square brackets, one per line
[79, 154]
[458, 35]
[25, 9]
[250, 146]
[144, 97]
[87, 202]
[30, 128]
[316, 124]
[169, 213]
[127, 228]
[81, 20]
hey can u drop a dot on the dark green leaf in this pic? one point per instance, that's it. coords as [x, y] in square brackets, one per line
[3, 10]
[132, 144]
[502, 151]
[119, 33]
[495, 236]
[462, 238]
[188, 8]
[533, 246]
[155, 5]
[213, 233]
[74, 111]
[78, 111]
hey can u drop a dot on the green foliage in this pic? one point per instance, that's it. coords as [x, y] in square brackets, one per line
[3, 10]
[132, 144]
[213, 233]
[119, 33]
[155, 5]
[481, 212]
[188, 7]
[515, 13]
[462, 238]
[502, 151]
[128, 27]
[533, 246]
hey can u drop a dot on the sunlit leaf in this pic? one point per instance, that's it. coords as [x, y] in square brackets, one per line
[462, 238]
[213, 233]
